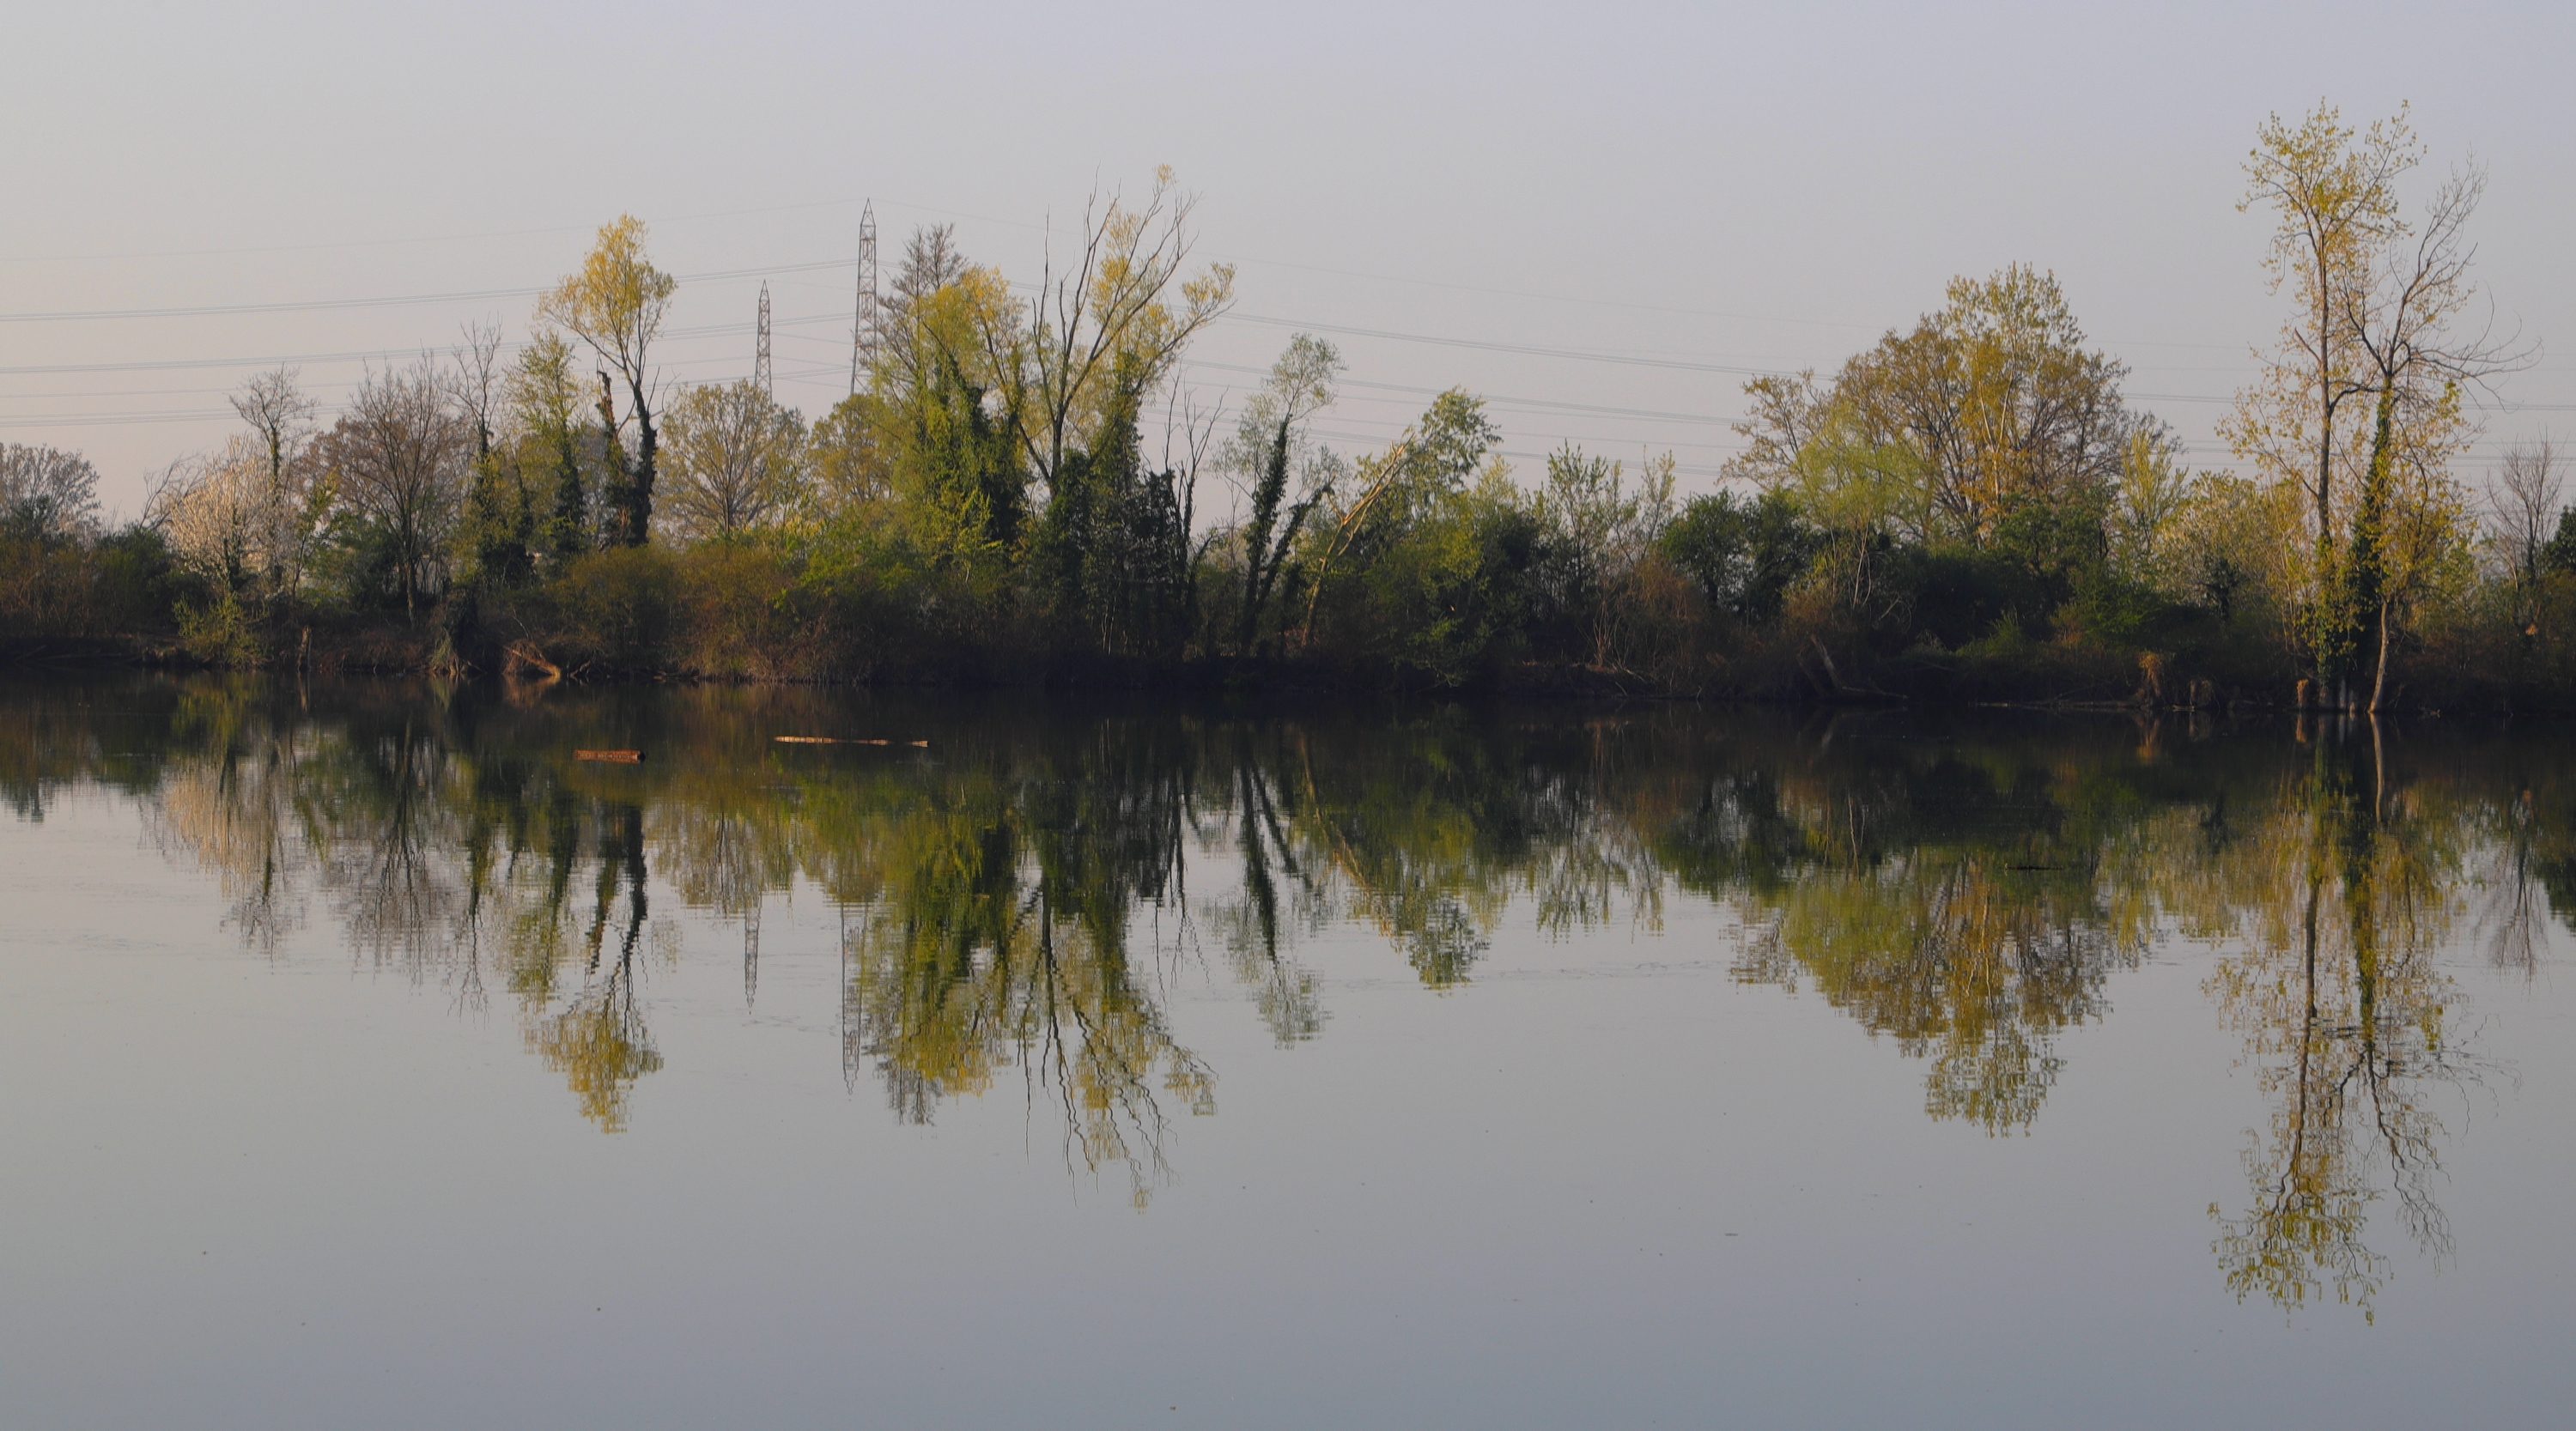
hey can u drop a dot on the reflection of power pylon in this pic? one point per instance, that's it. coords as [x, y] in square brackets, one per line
[863, 332]
[760, 362]
[854, 1041]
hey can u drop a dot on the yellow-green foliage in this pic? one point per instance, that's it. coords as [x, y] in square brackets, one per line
[1970, 898]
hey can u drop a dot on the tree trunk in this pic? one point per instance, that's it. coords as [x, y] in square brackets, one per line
[617, 502]
[2379, 678]
[2369, 563]
[641, 507]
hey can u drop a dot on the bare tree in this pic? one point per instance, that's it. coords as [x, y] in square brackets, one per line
[931, 261]
[2416, 367]
[277, 411]
[502, 512]
[279, 415]
[46, 494]
[400, 454]
[478, 380]
[1105, 316]
[2524, 505]
[2402, 326]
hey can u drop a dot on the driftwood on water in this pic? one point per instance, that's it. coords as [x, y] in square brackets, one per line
[840, 740]
[622, 757]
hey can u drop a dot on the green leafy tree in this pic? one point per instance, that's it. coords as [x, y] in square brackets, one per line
[544, 401]
[1270, 450]
[737, 461]
[1115, 547]
[2332, 191]
[615, 303]
[1743, 552]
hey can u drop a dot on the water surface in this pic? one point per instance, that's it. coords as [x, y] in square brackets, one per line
[366, 1058]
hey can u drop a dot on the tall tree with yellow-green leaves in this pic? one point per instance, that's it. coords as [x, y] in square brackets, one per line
[2420, 365]
[1107, 321]
[2379, 321]
[615, 302]
[2332, 190]
[944, 449]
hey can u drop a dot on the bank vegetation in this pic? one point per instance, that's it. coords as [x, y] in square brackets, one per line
[1019, 489]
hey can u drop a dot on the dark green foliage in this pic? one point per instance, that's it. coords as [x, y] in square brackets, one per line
[638, 517]
[502, 517]
[2042, 555]
[1443, 596]
[618, 608]
[1267, 544]
[618, 498]
[973, 460]
[1744, 554]
[121, 584]
[136, 580]
[1114, 550]
[31, 519]
[2218, 581]
[2560, 553]
[359, 561]
[1472, 595]
[568, 523]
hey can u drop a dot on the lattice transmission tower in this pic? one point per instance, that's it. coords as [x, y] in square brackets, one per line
[864, 332]
[760, 376]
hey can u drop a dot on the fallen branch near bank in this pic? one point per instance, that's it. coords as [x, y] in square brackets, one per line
[523, 656]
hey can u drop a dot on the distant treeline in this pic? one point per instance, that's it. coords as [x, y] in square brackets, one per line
[1019, 490]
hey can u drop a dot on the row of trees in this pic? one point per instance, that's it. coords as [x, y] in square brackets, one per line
[1971, 505]
[991, 488]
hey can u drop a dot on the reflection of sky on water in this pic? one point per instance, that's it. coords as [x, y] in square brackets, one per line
[1469, 1065]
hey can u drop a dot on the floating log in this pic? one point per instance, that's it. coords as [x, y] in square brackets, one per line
[622, 757]
[840, 740]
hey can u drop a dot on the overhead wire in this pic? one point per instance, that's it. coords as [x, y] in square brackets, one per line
[1553, 353]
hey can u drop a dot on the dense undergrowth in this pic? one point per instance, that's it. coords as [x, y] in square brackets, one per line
[1477, 601]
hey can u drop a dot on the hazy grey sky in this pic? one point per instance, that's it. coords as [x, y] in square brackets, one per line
[1707, 188]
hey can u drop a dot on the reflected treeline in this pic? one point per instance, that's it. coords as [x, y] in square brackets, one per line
[2337, 990]
[1019, 896]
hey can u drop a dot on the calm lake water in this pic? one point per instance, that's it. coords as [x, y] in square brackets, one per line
[366, 1059]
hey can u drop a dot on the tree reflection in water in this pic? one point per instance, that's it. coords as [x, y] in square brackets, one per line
[2343, 1007]
[1019, 896]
